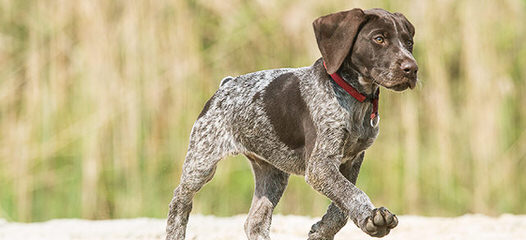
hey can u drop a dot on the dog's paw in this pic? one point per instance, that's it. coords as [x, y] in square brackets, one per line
[379, 223]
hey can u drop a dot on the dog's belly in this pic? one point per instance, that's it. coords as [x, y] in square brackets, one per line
[293, 160]
[258, 138]
[287, 162]
[274, 152]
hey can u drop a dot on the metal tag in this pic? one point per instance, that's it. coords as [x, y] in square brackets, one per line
[375, 121]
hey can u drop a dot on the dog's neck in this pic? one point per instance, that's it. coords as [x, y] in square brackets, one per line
[358, 110]
[357, 81]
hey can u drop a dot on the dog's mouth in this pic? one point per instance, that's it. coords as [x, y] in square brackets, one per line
[394, 82]
[402, 86]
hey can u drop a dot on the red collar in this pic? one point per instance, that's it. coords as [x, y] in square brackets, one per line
[355, 94]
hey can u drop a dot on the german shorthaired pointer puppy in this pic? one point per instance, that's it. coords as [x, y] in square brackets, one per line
[314, 121]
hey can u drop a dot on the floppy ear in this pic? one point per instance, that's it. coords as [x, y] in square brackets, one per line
[335, 34]
[407, 24]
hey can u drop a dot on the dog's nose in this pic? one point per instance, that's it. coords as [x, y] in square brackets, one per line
[410, 68]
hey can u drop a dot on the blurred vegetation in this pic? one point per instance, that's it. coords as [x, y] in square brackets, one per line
[97, 99]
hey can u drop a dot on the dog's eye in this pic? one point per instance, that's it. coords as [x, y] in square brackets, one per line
[379, 39]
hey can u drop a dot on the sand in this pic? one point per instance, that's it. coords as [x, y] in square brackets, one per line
[479, 227]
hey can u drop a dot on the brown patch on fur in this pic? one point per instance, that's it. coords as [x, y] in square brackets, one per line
[287, 111]
[255, 97]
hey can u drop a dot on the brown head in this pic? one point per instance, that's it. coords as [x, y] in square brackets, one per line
[375, 43]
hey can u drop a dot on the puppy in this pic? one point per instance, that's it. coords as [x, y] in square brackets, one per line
[315, 121]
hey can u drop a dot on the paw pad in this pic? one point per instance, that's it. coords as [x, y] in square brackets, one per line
[380, 222]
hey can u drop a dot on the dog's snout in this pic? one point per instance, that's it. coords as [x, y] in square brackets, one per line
[410, 68]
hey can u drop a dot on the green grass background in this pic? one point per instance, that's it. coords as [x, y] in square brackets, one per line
[97, 100]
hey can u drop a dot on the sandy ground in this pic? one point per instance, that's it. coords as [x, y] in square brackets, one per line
[477, 227]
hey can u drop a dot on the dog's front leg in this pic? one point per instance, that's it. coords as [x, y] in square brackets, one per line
[324, 176]
[334, 219]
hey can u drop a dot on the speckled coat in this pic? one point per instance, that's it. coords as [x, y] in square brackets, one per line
[288, 121]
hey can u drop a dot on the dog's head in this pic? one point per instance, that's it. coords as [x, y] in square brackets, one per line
[375, 43]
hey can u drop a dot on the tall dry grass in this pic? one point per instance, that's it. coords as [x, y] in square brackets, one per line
[97, 99]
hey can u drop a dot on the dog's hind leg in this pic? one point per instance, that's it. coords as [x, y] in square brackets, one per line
[270, 184]
[334, 219]
[208, 144]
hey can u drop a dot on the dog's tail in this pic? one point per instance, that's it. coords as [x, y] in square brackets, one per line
[225, 80]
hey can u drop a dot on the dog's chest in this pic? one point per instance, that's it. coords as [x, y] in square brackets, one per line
[358, 140]
[360, 135]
